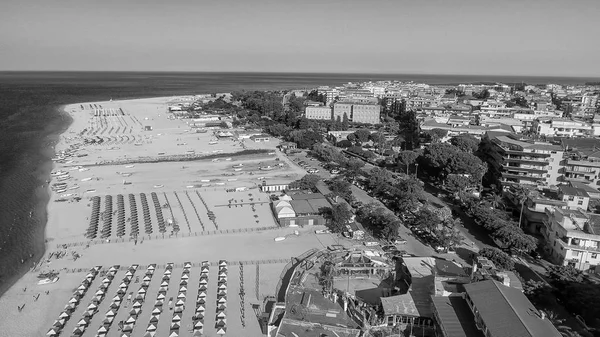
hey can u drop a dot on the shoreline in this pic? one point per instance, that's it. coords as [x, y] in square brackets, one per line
[41, 199]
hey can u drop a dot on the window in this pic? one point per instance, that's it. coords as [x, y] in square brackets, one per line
[580, 202]
[571, 198]
[575, 253]
[594, 256]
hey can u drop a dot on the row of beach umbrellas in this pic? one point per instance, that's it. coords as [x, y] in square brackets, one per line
[116, 301]
[221, 316]
[138, 301]
[65, 315]
[94, 219]
[161, 221]
[107, 227]
[92, 308]
[146, 211]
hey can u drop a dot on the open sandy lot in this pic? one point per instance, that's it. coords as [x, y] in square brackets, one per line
[212, 222]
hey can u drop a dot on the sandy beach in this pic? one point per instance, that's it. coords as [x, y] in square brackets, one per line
[157, 212]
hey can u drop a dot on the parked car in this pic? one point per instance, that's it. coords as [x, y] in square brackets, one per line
[389, 248]
[322, 231]
[400, 241]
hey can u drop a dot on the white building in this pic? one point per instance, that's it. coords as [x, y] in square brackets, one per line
[318, 112]
[573, 238]
[560, 127]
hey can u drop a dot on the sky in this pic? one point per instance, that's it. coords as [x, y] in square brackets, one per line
[470, 37]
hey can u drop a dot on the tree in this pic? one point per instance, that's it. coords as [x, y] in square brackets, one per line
[305, 138]
[427, 220]
[560, 275]
[345, 122]
[362, 135]
[409, 129]
[514, 239]
[296, 104]
[539, 293]
[353, 166]
[498, 257]
[344, 143]
[484, 94]
[407, 158]
[449, 237]
[278, 129]
[457, 182]
[488, 154]
[465, 143]
[437, 134]
[380, 221]
[338, 215]
[341, 188]
[379, 181]
[308, 182]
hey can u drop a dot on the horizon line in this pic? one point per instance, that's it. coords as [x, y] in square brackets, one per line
[297, 72]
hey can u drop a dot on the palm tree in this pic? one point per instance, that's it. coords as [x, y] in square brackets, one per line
[495, 200]
[521, 193]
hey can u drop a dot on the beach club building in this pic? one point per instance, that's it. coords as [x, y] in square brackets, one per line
[300, 209]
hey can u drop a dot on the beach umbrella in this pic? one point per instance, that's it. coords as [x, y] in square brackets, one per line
[52, 332]
[130, 320]
[181, 296]
[222, 299]
[199, 316]
[176, 318]
[198, 332]
[222, 306]
[173, 333]
[150, 334]
[178, 309]
[108, 320]
[221, 315]
[201, 301]
[110, 313]
[160, 296]
[59, 323]
[137, 304]
[180, 302]
[200, 308]
[154, 318]
[102, 329]
[175, 326]
[135, 311]
[78, 331]
[128, 327]
[151, 327]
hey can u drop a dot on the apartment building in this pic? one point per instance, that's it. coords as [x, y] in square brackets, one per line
[318, 112]
[358, 112]
[573, 238]
[560, 127]
[582, 163]
[529, 163]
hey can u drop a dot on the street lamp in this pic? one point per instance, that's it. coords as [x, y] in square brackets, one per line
[416, 170]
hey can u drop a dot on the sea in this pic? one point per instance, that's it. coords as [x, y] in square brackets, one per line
[31, 119]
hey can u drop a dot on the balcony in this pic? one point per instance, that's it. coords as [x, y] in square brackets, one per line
[523, 169]
[526, 160]
[583, 163]
[527, 154]
[519, 176]
[577, 247]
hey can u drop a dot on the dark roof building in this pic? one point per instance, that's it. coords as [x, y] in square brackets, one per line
[454, 318]
[502, 311]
